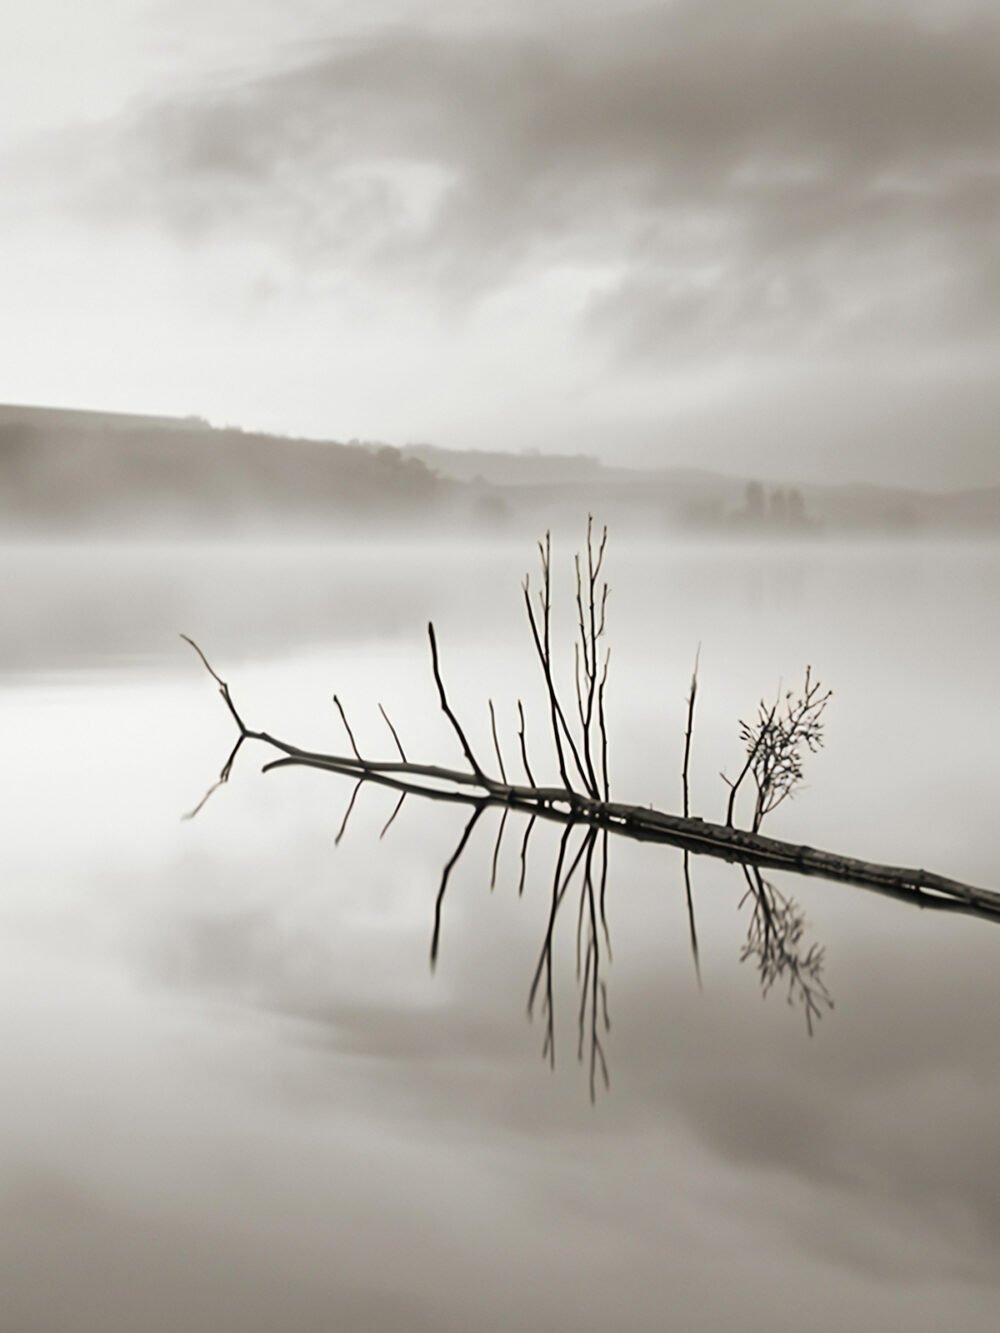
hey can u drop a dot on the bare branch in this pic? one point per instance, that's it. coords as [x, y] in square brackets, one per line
[449, 867]
[524, 747]
[553, 700]
[347, 728]
[496, 849]
[223, 687]
[692, 928]
[395, 737]
[347, 812]
[603, 726]
[690, 727]
[604, 886]
[467, 748]
[496, 743]
[776, 742]
[751, 757]
[222, 779]
[775, 939]
[545, 958]
[524, 854]
[586, 650]
[392, 818]
[547, 945]
[560, 727]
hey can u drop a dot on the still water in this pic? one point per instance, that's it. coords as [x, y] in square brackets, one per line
[236, 1096]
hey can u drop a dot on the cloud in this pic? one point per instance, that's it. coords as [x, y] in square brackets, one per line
[787, 176]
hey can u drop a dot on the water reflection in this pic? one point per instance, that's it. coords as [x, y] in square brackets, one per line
[775, 941]
[232, 1079]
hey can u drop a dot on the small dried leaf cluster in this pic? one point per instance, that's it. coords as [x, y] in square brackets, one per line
[776, 744]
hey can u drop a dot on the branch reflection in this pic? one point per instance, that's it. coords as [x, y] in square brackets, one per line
[775, 936]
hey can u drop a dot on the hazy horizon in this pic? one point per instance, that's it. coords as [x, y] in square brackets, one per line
[734, 471]
[759, 240]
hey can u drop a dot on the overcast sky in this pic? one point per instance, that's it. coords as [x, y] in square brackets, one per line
[763, 237]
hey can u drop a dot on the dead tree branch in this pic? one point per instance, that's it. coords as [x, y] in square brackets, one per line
[776, 743]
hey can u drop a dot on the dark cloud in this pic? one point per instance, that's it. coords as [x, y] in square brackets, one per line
[751, 176]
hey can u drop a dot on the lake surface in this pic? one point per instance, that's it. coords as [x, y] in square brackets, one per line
[236, 1095]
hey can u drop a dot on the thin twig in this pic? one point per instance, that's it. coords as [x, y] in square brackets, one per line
[604, 886]
[752, 755]
[692, 928]
[690, 727]
[556, 898]
[392, 818]
[524, 747]
[496, 849]
[543, 647]
[546, 671]
[449, 867]
[223, 687]
[496, 743]
[466, 747]
[222, 779]
[395, 737]
[602, 723]
[347, 812]
[524, 854]
[347, 728]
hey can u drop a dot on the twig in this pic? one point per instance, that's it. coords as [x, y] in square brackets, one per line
[392, 818]
[690, 727]
[524, 748]
[395, 737]
[466, 747]
[603, 725]
[556, 899]
[751, 756]
[223, 687]
[449, 867]
[775, 938]
[590, 633]
[524, 854]
[692, 928]
[347, 812]
[543, 647]
[496, 849]
[604, 886]
[496, 743]
[545, 958]
[347, 728]
[222, 779]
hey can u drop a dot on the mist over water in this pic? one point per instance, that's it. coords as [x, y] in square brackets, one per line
[239, 1095]
[336, 992]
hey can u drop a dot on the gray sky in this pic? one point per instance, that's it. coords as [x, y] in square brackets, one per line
[758, 237]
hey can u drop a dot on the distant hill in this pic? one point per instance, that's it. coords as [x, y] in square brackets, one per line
[77, 418]
[72, 471]
[511, 469]
[65, 471]
[551, 486]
